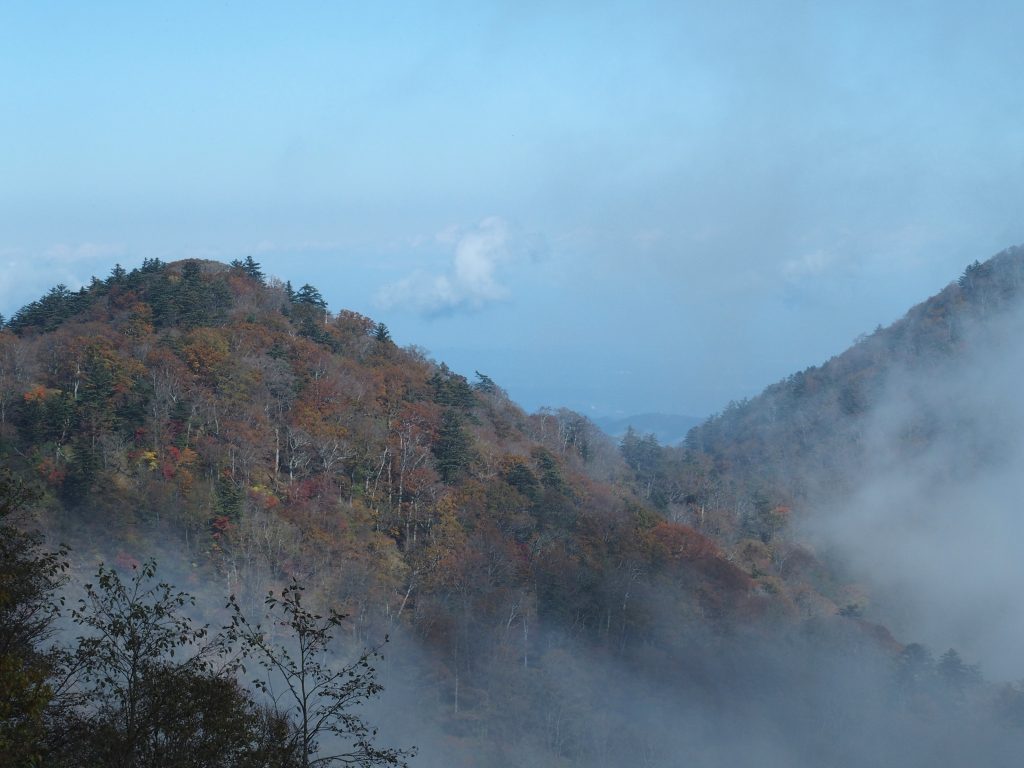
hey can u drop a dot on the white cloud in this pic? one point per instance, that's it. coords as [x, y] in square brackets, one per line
[472, 280]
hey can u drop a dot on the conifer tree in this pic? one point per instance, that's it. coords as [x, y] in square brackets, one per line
[307, 294]
[452, 450]
[252, 268]
[485, 384]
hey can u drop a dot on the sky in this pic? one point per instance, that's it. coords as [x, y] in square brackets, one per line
[615, 207]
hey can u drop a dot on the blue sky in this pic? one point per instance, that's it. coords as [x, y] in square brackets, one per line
[615, 207]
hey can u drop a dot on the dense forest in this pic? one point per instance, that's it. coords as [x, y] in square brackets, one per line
[549, 597]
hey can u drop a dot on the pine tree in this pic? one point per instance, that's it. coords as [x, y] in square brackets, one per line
[307, 294]
[451, 389]
[252, 269]
[452, 449]
[485, 384]
[197, 300]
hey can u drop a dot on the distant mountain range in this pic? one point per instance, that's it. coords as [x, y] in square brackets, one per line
[668, 428]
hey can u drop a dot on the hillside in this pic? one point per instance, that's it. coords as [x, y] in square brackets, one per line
[809, 427]
[900, 459]
[553, 600]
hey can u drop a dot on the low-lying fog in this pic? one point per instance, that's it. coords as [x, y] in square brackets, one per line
[934, 524]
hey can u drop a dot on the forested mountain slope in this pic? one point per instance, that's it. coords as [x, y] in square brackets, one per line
[553, 602]
[901, 458]
[268, 433]
[809, 427]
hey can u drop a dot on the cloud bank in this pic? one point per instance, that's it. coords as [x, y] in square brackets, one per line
[473, 278]
[934, 522]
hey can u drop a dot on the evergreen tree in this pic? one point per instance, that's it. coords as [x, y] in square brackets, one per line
[189, 296]
[199, 301]
[229, 498]
[970, 274]
[45, 314]
[307, 294]
[308, 311]
[914, 671]
[161, 300]
[550, 474]
[452, 449]
[520, 477]
[451, 389]
[644, 457]
[252, 268]
[485, 384]
[957, 675]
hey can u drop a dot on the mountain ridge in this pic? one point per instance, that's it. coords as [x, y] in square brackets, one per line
[847, 384]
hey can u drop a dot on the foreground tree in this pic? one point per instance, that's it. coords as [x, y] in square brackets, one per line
[153, 689]
[320, 695]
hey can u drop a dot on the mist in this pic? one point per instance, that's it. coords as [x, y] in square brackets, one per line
[782, 699]
[764, 693]
[930, 516]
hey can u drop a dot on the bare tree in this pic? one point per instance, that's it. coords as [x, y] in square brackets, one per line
[319, 695]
